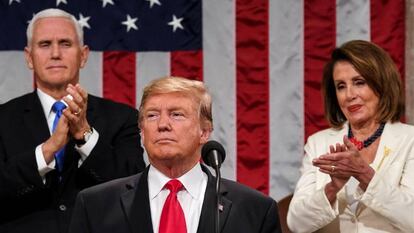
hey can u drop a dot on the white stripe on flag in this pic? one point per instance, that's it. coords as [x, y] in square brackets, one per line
[15, 77]
[219, 51]
[286, 95]
[91, 75]
[409, 61]
[150, 66]
[352, 20]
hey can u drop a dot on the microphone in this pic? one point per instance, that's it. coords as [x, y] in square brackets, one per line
[213, 154]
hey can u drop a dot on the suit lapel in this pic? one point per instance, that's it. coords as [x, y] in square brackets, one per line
[91, 113]
[71, 162]
[208, 211]
[390, 143]
[34, 119]
[135, 202]
[388, 147]
[226, 203]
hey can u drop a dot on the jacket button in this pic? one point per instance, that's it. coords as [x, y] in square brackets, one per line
[62, 207]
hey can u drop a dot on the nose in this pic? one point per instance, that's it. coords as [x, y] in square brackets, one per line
[56, 53]
[164, 123]
[350, 93]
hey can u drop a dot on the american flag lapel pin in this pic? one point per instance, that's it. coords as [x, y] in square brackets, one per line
[221, 207]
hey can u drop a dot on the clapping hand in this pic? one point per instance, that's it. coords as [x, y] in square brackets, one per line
[344, 163]
[329, 166]
[76, 112]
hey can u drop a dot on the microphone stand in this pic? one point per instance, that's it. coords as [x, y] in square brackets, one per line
[213, 155]
[218, 200]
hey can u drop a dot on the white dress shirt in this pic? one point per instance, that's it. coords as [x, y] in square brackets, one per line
[191, 197]
[47, 102]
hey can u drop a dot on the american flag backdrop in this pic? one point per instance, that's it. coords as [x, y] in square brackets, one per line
[261, 59]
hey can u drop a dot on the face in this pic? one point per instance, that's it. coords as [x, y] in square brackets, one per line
[55, 54]
[171, 130]
[356, 99]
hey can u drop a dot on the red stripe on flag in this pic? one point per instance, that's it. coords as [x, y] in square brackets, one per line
[388, 30]
[187, 64]
[320, 40]
[252, 61]
[119, 76]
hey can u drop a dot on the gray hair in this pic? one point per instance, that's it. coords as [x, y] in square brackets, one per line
[53, 12]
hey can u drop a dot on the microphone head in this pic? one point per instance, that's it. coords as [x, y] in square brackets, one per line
[209, 148]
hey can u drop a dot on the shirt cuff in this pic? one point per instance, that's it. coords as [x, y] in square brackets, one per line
[86, 149]
[42, 166]
[322, 198]
[358, 193]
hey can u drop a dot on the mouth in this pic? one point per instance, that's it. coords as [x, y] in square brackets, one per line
[56, 67]
[354, 108]
[164, 140]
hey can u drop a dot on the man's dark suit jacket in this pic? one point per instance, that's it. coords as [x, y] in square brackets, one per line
[29, 205]
[122, 206]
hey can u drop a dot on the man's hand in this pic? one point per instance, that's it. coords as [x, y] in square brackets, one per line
[58, 140]
[76, 114]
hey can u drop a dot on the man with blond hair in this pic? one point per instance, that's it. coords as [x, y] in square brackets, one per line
[175, 194]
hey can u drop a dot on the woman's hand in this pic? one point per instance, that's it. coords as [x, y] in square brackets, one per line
[357, 166]
[346, 163]
[328, 167]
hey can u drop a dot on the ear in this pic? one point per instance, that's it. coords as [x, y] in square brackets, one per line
[205, 134]
[28, 57]
[84, 55]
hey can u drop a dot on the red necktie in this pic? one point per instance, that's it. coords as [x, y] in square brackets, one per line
[172, 216]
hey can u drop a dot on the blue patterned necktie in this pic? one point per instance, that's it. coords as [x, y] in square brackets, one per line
[58, 107]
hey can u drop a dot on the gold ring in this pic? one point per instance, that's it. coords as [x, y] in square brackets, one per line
[78, 112]
[333, 168]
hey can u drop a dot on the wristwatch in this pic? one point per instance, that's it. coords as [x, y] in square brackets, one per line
[86, 135]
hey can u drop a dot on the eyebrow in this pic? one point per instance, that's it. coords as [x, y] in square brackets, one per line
[59, 41]
[169, 109]
[353, 78]
[173, 108]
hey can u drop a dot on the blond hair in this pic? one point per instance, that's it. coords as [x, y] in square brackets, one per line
[193, 88]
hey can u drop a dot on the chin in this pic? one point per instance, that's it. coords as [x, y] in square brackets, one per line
[355, 117]
[357, 121]
[164, 156]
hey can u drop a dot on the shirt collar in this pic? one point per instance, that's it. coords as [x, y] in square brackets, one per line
[47, 102]
[192, 181]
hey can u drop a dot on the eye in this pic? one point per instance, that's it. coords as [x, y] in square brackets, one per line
[151, 116]
[360, 82]
[66, 44]
[44, 44]
[177, 115]
[340, 86]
